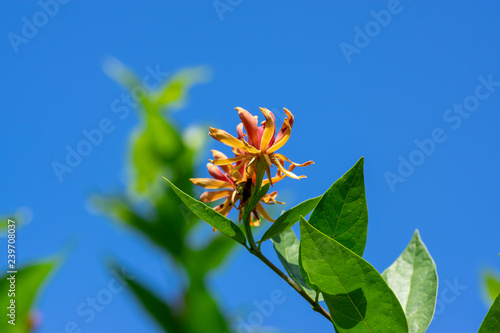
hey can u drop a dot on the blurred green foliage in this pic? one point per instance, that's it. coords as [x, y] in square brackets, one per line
[29, 282]
[491, 285]
[18, 291]
[158, 148]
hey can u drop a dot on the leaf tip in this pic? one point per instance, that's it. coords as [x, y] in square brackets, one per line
[416, 234]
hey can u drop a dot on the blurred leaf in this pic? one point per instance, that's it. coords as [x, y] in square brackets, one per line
[21, 217]
[157, 146]
[357, 296]
[286, 246]
[121, 74]
[201, 261]
[491, 323]
[154, 151]
[157, 308]
[166, 233]
[209, 215]
[413, 278]
[202, 314]
[289, 218]
[491, 282]
[342, 213]
[4, 224]
[175, 90]
[28, 284]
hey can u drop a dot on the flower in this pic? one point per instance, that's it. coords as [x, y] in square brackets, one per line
[263, 142]
[231, 182]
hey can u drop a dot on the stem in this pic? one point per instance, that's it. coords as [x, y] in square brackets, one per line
[247, 212]
[315, 305]
[255, 250]
[251, 240]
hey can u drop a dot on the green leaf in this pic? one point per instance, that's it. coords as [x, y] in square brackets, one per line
[28, 282]
[357, 296]
[342, 213]
[289, 218]
[158, 309]
[491, 282]
[209, 215]
[413, 278]
[491, 323]
[286, 245]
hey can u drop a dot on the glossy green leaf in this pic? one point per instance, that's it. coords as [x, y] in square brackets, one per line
[342, 213]
[28, 285]
[413, 278]
[491, 323]
[286, 245]
[357, 296]
[491, 282]
[209, 215]
[289, 218]
[158, 309]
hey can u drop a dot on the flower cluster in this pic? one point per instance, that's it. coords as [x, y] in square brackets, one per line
[233, 178]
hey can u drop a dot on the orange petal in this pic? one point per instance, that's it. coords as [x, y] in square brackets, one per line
[236, 175]
[285, 171]
[231, 141]
[216, 173]
[256, 222]
[280, 142]
[287, 123]
[250, 124]
[211, 184]
[214, 195]
[239, 130]
[226, 207]
[221, 156]
[263, 212]
[289, 116]
[228, 160]
[283, 157]
[218, 155]
[273, 180]
[270, 198]
[269, 130]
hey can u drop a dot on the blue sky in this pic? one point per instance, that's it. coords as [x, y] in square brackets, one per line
[381, 93]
